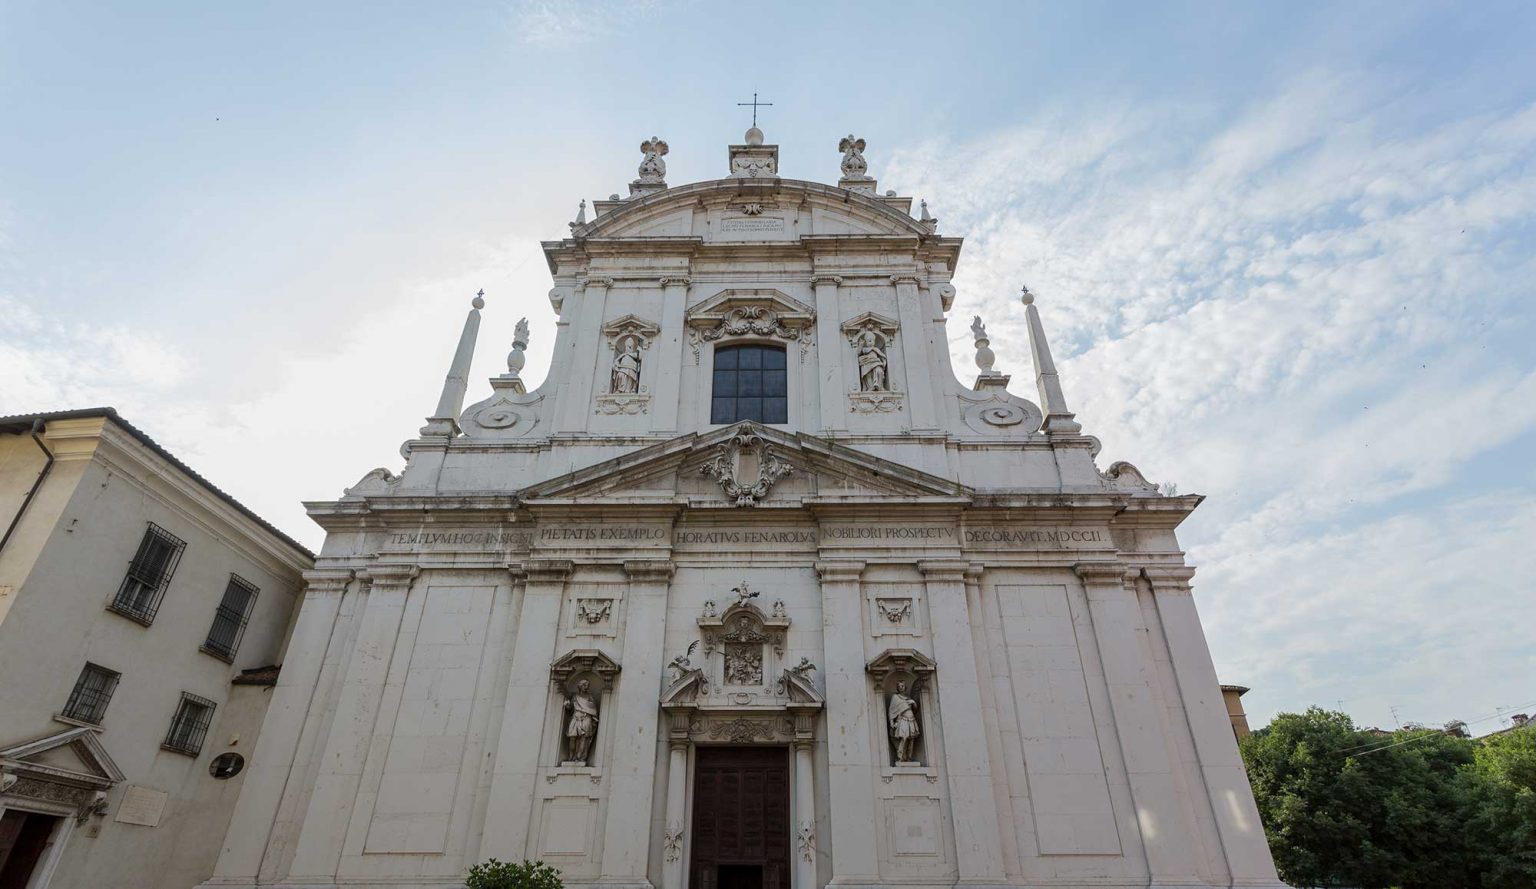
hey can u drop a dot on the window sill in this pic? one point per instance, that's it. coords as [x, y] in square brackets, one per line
[184, 752]
[77, 723]
[217, 654]
[136, 618]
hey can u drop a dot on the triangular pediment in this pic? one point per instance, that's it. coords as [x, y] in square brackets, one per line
[75, 756]
[718, 306]
[719, 468]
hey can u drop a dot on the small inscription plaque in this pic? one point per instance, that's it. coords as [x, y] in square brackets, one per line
[601, 533]
[1037, 538]
[464, 538]
[931, 534]
[753, 224]
[142, 805]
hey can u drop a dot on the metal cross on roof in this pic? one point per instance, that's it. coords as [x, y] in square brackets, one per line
[754, 103]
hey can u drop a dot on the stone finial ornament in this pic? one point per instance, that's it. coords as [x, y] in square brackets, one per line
[926, 219]
[653, 170]
[444, 422]
[854, 165]
[515, 358]
[984, 355]
[1057, 417]
[581, 216]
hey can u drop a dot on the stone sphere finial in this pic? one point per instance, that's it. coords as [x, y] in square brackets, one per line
[754, 136]
[1025, 296]
[479, 300]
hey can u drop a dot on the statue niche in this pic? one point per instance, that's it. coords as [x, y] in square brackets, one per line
[628, 337]
[900, 675]
[749, 642]
[871, 336]
[581, 678]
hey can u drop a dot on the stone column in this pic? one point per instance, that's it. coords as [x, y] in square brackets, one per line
[519, 744]
[673, 871]
[630, 770]
[1165, 821]
[914, 352]
[341, 769]
[991, 720]
[586, 354]
[851, 763]
[829, 342]
[277, 754]
[805, 816]
[967, 763]
[667, 355]
[1221, 767]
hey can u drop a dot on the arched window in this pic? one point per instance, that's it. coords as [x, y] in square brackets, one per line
[750, 383]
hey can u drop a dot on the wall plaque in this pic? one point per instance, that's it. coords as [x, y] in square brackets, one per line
[142, 805]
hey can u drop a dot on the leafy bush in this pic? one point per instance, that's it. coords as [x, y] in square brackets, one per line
[495, 874]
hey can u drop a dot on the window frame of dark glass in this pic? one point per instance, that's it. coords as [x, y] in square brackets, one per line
[757, 377]
[149, 573]
[230, 621]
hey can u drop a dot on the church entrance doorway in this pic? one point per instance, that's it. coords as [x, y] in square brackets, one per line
[24, 837]
[741, 827]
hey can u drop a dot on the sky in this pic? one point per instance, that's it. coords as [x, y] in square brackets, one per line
[1284, 252]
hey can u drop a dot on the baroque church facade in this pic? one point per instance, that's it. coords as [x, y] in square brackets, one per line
[752, 591]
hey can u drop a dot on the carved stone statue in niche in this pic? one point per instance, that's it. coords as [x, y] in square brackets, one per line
[901, 716]
[626, 367]
[581, 723]
[873, 366]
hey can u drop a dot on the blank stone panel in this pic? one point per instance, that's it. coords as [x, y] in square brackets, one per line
[1067, 788]
[426, 748]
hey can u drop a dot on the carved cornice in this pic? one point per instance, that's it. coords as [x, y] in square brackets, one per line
[327, 580]
[943, 569]
[1101, 573]
[840, 571]
[548, 569]
[900, 660]
[583, 660]
[386, 575]
[1174, 579]
[649, 569]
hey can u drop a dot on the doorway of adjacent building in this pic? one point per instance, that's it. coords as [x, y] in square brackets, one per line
[741, 829]
[24, 840]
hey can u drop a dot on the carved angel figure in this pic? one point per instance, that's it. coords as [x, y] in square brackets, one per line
[581, 728]
[854, 165]
[625, 377]
[978, 330]
[902, 717]
[653, 168]
[681, 665]
[872, 361]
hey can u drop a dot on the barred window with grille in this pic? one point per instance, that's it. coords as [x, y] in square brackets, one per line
[93, 690]
[148, 575]
[190, 725]
[230, 618]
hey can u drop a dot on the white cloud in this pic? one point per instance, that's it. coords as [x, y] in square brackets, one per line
[1305, 314]
[560, 23]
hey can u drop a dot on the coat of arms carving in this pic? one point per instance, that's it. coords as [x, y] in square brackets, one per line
[746, 468]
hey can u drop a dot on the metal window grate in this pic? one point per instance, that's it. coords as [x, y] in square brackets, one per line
[230, 618]
[749, 383]
[190, 725]
[93, 691]
[148, 575]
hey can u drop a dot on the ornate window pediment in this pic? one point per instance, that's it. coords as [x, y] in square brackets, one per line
[750, 313]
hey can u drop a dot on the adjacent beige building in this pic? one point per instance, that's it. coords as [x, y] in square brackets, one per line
[133, 594]
[752, 592]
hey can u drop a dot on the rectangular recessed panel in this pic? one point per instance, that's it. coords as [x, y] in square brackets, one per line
[1068, 790]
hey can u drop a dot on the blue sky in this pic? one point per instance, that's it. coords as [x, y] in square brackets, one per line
[1285, 253]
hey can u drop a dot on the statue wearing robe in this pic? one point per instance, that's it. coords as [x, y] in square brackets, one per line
[626, 368]
[581, 728]
[902, 717]
[872, 363]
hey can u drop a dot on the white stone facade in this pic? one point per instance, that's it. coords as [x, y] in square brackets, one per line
[751, 585]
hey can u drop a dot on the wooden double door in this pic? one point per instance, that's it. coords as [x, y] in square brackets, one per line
[741, 825]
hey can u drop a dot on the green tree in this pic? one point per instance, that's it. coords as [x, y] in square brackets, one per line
[1343, 807]
[1499, 793]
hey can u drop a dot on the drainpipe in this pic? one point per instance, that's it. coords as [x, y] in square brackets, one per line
[37, 427]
